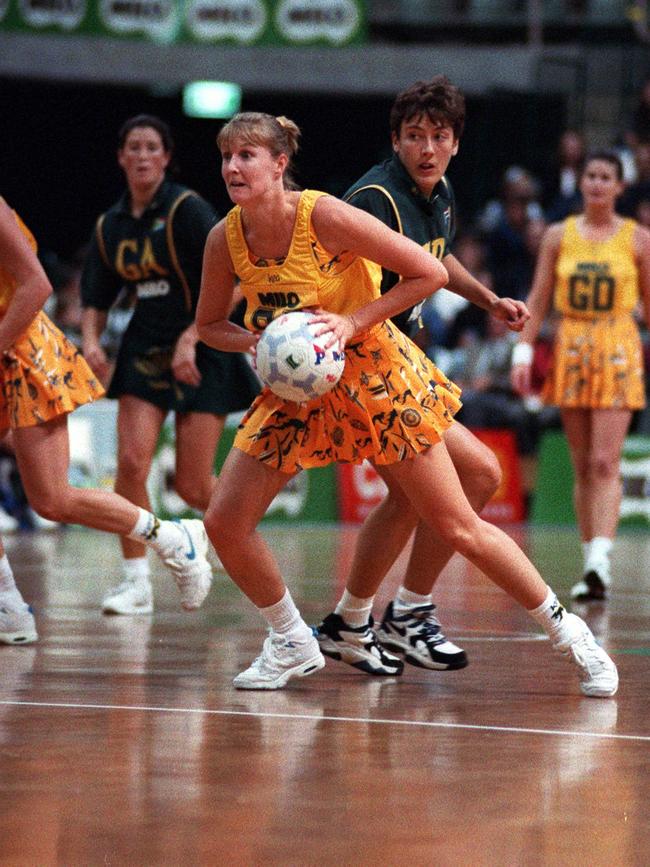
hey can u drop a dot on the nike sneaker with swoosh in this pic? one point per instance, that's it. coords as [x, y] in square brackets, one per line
[189, 565]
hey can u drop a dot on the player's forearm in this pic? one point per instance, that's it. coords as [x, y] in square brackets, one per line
[226, 336]
[405, 294]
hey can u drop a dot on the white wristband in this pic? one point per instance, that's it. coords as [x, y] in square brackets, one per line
[522, 353]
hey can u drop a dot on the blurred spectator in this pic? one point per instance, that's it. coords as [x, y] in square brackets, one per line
[509, 257]
[639, 127]
[561, 193]
[67, 309]
[440, 314]
[517, 185]
[639, 190]
[642, 213]
[482, 369]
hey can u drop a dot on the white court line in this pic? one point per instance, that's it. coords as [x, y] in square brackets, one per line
[352, 719]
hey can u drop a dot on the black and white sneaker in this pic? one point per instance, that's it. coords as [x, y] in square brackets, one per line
[593, 587]
[418, 635]
[356, 645]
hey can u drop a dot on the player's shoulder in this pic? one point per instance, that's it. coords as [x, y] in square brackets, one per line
[375, 182]
[554, 232]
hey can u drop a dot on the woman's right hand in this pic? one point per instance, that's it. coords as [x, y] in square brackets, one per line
[97, 361]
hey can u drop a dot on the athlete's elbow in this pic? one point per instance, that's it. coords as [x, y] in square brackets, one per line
[440, 276]
[203, 332]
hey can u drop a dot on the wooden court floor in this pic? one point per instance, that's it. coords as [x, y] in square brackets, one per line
[123, 742]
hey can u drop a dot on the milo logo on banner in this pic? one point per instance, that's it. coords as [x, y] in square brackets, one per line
[66, 14]
[334, 21]
[212, 20]
[155, 18]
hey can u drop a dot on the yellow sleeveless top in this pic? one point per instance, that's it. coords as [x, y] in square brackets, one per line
[596, 278]
[7, 282]
[308, 277]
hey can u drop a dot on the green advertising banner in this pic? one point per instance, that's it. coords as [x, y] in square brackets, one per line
[232, 22]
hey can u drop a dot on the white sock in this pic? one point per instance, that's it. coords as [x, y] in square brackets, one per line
[599, 550]
[136, 568]
[163, 536]
[406, 600]
[285, 618]
[586, 548]
[550, 616]
[7, 582]
[355, 611]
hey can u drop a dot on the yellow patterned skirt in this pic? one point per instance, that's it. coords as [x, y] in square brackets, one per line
[43, 376]
[390, 404]
[597, 364]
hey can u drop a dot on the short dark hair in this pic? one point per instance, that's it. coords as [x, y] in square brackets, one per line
[439, 99]
[607, 156]
[147, 120]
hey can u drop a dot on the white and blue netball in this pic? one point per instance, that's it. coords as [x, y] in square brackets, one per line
[293, 363]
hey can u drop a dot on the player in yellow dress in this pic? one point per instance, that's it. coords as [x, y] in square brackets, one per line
[391, 405]
[593, 269]
[43, 377]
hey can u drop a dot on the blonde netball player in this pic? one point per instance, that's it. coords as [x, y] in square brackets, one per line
[593, 268]
[392, 405]
[43, 377]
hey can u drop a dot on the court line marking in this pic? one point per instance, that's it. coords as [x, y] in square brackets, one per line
[317, 717]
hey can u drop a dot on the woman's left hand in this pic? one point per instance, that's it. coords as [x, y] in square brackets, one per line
[341, 328]
[184, 363]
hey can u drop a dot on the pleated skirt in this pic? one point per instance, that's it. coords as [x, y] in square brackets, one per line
[597, 364]
[390, 404]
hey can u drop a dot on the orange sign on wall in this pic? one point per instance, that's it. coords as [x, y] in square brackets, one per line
[360, 488]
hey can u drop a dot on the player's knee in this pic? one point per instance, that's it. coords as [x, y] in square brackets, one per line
[196, 493]
[133, 465]
[489, 478]
[221, 525]
[603, 466]
[462, 536]
[52, 505]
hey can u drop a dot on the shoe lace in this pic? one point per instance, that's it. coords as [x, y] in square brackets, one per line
[183, 574]
[429, 626]
[369, 640]
[583, 653]
[267, 661]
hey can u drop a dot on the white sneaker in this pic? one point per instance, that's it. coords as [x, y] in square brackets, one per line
[189, 564]
[279, 661]
[598, 674]
[132, 596]
[17, 625]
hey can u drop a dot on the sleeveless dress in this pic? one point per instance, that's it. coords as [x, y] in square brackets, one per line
[597, 357]
[391, 402]
[43, 375]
